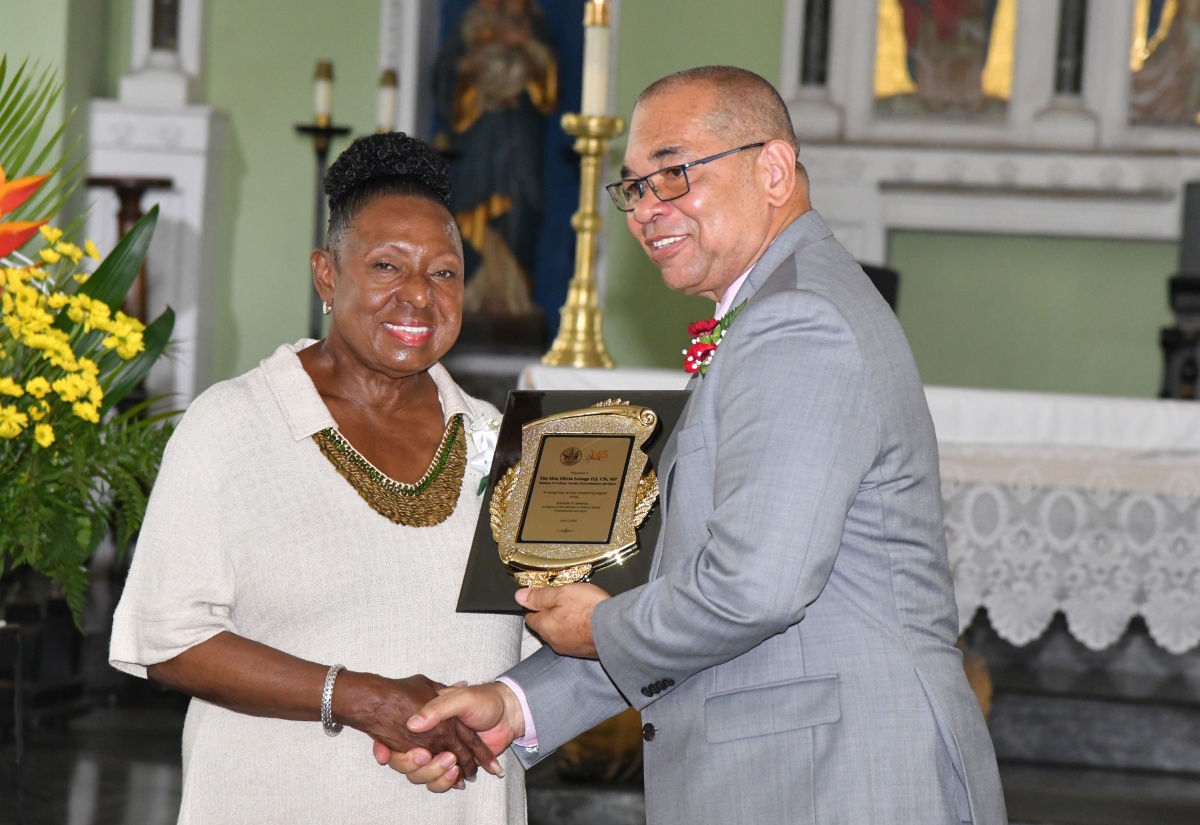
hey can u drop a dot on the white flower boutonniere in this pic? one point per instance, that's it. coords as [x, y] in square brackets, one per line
[484, 433]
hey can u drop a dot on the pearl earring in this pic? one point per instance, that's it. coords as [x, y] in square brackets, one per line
[326, 308]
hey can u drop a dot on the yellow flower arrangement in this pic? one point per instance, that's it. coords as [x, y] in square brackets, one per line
[66, 355]
[72, 464]
[53, 358]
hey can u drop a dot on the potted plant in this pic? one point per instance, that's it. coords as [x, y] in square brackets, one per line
[72, 465]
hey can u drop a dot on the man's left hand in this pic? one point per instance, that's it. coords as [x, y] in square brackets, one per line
[562, 616]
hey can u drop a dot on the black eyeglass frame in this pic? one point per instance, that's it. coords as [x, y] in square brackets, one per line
[644, 181]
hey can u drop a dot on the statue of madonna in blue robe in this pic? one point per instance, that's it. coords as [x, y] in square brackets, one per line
[495, 81]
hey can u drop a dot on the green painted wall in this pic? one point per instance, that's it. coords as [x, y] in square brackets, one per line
[1052, 314]
[37, 30]
[645, 324]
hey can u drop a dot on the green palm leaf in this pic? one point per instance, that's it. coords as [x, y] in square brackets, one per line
[111, 281]
[25, 104]
[25, 116]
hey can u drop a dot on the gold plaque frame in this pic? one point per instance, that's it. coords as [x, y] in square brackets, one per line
[553, 563]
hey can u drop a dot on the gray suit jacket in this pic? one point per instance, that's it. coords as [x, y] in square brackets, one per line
[794, 647]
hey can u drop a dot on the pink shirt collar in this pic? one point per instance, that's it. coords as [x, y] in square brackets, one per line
[726, 302]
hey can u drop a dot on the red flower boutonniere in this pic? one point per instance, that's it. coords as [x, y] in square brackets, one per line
[706, 337]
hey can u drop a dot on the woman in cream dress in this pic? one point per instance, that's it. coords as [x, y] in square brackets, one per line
[318, 511]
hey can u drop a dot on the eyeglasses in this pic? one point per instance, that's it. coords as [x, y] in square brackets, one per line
[666, 184]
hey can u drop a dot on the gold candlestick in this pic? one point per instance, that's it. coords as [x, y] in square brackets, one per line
[580, 340]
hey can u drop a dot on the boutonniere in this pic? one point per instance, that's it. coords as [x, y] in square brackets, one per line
[484, 433]
[706, 337]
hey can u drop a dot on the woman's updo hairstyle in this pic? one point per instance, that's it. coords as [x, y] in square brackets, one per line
[384, 164]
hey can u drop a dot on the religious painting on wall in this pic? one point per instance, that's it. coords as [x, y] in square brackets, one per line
[505, 72]
[944, 58]
[1165, 63]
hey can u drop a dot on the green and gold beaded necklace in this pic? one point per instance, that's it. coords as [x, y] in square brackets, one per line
[429, 501]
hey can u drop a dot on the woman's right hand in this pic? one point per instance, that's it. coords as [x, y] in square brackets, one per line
[380, 707]
[250, 677]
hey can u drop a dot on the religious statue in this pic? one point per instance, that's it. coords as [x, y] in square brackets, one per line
[495, 81]
[1166, 87]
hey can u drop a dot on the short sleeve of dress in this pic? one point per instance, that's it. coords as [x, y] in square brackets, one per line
[181, 583]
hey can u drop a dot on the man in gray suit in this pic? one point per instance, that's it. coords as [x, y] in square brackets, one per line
[793, 653]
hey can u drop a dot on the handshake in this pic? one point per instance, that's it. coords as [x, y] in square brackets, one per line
[446, 739]
[455, 730]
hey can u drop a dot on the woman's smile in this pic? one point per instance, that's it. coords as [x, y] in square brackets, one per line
[413, 335]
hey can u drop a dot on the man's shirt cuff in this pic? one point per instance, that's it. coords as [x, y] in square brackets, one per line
[529, 741]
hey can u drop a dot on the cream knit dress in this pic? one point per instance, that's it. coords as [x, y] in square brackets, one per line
[250, 529]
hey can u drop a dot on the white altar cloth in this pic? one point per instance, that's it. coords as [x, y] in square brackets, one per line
[1083, 505]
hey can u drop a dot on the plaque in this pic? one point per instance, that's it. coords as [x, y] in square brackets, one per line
[570, 483]
[572, 504]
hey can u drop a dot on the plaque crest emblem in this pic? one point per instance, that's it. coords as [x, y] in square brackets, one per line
[572, 505]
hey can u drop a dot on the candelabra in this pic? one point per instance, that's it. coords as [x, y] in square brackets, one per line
[322, 133]
[580, 340]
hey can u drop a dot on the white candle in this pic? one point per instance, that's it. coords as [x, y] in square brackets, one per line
[385, 102]
[323, 93]
[596, 35]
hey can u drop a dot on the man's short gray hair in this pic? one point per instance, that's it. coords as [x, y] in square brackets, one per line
[747, 109]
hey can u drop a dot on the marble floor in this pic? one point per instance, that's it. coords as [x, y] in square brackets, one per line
[110, 765]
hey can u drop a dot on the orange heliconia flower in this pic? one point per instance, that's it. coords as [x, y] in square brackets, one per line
[14, 235]
[12, 194]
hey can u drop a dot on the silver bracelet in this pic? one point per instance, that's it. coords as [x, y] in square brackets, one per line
[331, 728]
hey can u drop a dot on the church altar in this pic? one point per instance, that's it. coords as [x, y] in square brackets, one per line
[1081, 505]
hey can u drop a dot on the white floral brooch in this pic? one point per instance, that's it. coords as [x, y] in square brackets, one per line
[484, 434]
